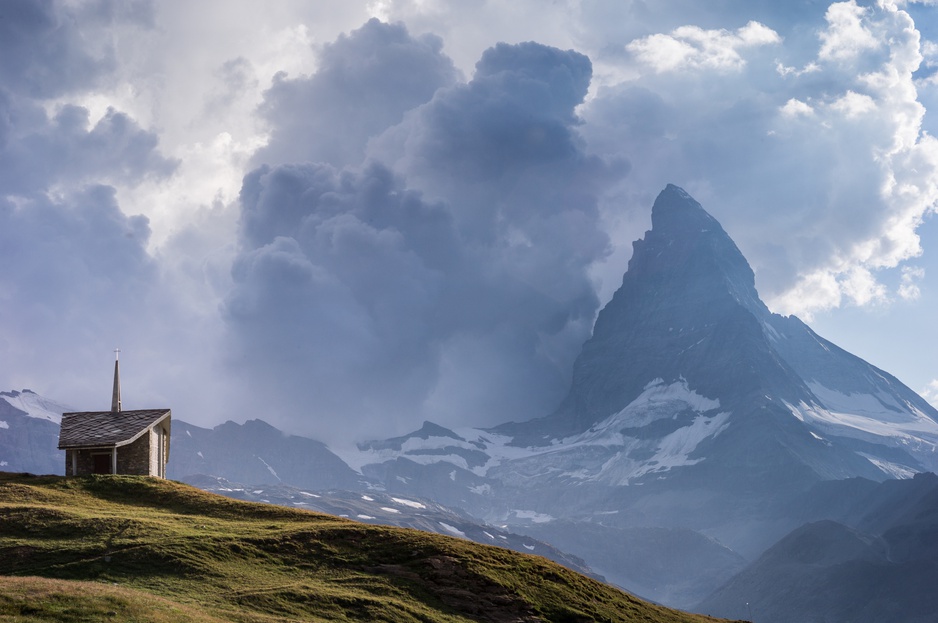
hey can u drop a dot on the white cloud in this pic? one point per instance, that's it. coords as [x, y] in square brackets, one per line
[692, 47]
[930, 393]
[853, 104]
[908, 287]
[847, 35]
[796, 108]
[817, 291]
[862, 288]
[823, 174]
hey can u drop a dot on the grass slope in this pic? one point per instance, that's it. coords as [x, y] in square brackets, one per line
[126, 548]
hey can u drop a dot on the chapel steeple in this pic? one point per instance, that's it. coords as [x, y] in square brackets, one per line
[116, 394]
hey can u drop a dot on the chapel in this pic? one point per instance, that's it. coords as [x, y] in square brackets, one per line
[116, 441]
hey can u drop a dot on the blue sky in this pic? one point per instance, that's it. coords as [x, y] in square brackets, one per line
[348, 217]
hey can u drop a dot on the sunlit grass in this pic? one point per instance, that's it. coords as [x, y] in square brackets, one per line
[113, 543]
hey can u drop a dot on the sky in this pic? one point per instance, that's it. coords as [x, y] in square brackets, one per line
[347, 217]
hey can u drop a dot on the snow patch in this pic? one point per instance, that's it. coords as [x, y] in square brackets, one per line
[481, 489]
[488, 535]
[310, 495]
[269, 468]
[532, 516]
[893, 470]
[880, 406]
[4, 424]
[912, 431]
[409, 503]
[771, 332]
[528, 547]
[200, 454]
[388, 509]
[364, 517]
[452, 529]
[862, 423]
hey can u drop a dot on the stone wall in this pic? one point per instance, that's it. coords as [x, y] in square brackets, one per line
[135, 458]
[131, 459]
[85, 461]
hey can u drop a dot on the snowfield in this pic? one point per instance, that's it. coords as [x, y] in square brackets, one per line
[601, 453]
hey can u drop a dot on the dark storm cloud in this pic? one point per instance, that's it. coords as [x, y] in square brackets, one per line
[45, 47]
[68, 149]
[503, 149]
[365, 82]
[338, 296]
[77, 277]
[357, 297]
[76, 273]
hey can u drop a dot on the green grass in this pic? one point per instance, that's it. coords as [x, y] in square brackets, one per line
[126, 548]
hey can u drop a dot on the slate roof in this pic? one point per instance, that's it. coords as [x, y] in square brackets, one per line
[106, 428]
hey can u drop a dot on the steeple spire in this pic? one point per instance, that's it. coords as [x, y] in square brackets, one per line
[116, 395]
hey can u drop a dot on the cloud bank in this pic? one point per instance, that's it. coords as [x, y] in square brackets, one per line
[465, 300]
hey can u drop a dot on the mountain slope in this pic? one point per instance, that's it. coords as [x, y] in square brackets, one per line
[379, 508]
[878, 562]
[257, 453]
[253, 562]
[29, 432]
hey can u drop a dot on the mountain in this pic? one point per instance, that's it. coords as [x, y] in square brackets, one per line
[692, 407]
[699, 429]
[257, 453]
[688, 320]
[29, 433]
[878, 563]
[135, 548]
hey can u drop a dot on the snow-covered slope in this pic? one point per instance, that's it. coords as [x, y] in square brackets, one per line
[29, 433]
[34, 405]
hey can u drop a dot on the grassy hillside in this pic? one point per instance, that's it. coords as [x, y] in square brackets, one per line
[115, 548]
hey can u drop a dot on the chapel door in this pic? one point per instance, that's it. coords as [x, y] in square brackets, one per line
[102, 463]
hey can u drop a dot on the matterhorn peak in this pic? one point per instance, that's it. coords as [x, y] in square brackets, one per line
[676, 211]
[689, 250]
[688, 316]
